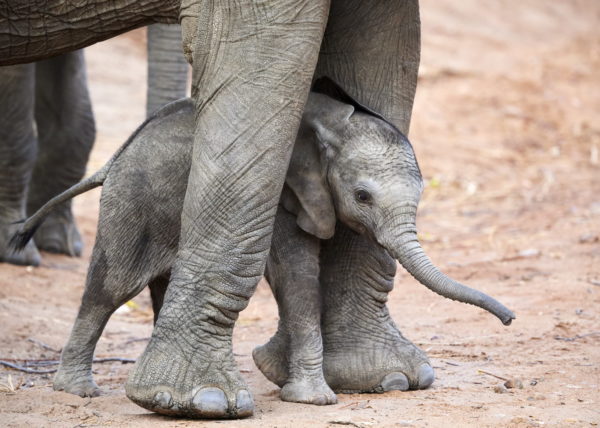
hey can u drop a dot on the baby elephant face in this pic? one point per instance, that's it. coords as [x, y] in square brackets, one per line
[373, 175]
[350, 165]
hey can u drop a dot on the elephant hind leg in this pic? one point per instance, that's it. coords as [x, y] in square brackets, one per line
[18, 146]
[115, 276]
[66, 133]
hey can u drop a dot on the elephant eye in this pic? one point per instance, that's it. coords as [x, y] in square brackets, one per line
[362, 196]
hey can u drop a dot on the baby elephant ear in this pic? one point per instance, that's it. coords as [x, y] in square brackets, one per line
[306, 193]
[326, 118]
[327, 86]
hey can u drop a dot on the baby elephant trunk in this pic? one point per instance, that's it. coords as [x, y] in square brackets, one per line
[411, 256]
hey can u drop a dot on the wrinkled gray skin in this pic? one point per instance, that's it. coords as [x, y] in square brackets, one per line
[47, 131]
[252, 66]
[339, 153]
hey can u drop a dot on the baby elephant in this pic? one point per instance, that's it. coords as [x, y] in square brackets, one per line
[348, 164]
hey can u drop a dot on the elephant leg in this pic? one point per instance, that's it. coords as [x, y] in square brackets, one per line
[371, 49]
[363, 349]
[66, 134]
[126, 257]
[293, 273]
[167, 67]
[18, 146]
[252, 67]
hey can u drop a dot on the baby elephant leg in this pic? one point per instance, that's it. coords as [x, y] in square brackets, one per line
[293, 272]
[122, 265]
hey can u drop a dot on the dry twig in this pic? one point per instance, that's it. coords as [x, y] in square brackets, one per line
[24, 367]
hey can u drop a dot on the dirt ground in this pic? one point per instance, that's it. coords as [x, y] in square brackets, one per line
[506, 128]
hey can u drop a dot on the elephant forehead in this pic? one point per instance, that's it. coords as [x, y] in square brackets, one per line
[372, 155]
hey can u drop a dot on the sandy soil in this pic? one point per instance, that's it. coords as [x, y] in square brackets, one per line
[507, 132]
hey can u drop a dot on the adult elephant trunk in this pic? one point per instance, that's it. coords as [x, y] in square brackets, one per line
[405, 247]
[167, 67]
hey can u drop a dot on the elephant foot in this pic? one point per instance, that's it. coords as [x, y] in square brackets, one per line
[374, 361]
[59, 234]
[29, 256]
[308, 391]
[76, 382]
[195, 386]
[271, 360]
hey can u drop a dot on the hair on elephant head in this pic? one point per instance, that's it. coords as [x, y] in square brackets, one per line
[350, 163]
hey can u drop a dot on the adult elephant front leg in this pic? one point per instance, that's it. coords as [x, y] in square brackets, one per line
[252, 67]
[371, 49]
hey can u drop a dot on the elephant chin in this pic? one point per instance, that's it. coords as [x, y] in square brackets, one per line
[407, 250]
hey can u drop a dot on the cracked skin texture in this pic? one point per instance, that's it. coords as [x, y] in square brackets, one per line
[274, 83]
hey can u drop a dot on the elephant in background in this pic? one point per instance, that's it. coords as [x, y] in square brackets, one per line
[253, 62]
[348, 164]
[47, 131]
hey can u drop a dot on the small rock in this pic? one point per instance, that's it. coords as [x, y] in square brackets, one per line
[513, 383]
[588, 238]
[530, 252]
[500, 389]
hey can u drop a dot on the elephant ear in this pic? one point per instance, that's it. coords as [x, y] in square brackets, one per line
[327, 86]
[306, 192]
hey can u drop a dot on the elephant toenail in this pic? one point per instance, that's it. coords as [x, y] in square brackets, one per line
[426, 376]
[210, 402]
[320, 400]
[244, 403]
[395, 382]
[163, 400]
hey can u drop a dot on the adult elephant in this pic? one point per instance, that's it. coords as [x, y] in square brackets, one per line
[253, 62]
[47, 131]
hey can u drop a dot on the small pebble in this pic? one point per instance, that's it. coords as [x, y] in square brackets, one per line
[513, 383]
[588, 238]
[531, 252]
[500, 389]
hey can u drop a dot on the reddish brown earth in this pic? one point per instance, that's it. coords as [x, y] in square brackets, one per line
[507, 131]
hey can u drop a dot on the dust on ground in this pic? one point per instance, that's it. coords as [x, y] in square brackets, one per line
[507, 132]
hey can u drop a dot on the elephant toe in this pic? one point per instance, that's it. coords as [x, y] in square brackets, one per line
[163, 400]
[395, 381]
[426, 376]
[210, 403]
[244, 403]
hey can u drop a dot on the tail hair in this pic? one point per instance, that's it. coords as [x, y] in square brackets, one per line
[20, 239]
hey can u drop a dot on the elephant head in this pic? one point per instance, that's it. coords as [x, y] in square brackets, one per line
[350, 164]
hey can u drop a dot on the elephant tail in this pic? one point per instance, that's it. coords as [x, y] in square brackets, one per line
[31, 224]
